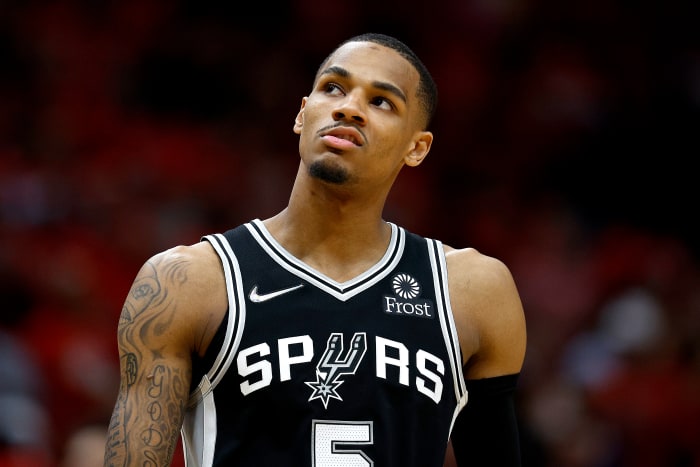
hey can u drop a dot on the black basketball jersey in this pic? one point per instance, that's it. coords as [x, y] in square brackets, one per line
[311, 372]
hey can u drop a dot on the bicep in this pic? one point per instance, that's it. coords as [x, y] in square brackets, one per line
[490, 317]
[502, 327]
[155, 370]
[491, 325]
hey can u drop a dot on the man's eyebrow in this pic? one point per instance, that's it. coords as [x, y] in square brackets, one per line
[388, 87]
[336, 70]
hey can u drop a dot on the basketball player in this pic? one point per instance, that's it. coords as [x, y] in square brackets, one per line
[325, 335]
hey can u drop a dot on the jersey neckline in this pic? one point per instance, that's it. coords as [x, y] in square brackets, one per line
[340, 290]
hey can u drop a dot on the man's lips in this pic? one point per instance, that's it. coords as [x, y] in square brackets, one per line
[343, 137]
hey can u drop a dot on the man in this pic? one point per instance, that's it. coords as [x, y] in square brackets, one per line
[326, 336]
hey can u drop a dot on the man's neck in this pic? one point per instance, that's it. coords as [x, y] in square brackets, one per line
[339, 239]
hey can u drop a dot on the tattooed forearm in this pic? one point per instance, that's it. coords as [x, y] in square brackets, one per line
[163, 410]
[153, 418]
[155, 379]
[115, 453]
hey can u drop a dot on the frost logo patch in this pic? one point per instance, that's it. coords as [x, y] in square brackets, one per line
[406, 301]
[405, 286]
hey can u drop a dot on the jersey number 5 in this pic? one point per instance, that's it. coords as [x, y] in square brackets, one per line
[330, 440]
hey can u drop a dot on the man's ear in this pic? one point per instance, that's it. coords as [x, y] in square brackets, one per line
[299, 121]
[420, 147]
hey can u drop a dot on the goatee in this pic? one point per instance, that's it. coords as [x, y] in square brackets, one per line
[329, 173]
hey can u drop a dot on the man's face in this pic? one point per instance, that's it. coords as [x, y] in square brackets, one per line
[362, 117]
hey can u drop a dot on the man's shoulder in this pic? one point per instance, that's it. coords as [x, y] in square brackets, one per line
[487, 309]
[199, 254]
[479, 283]
[194, 277]
[187, 268]
[471, 270]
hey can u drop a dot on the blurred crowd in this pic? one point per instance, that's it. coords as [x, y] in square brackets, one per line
[563, 138]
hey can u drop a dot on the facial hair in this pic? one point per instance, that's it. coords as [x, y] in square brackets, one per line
[329, 173]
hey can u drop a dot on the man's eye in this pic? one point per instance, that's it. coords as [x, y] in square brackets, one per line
[332, 88]
[383, 103]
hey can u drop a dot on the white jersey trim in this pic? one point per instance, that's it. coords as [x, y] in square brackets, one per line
[438, 264]
[342, 291]
[199, 431]
[236, 312]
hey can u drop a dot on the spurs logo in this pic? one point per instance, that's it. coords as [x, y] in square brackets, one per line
[334, 364]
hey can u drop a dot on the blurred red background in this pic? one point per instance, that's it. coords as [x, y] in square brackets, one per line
[564, 138]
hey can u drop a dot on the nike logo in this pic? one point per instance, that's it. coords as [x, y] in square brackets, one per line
[255, 297]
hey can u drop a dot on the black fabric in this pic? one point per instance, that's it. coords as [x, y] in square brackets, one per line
[486, 430]
[315, 371]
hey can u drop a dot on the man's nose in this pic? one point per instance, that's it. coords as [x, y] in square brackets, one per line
[350, 110]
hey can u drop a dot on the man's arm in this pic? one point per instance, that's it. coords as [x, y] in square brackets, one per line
[491, 326]
[486, 431]
[158, 328]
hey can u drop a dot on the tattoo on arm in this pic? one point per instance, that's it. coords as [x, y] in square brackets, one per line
[153, 392]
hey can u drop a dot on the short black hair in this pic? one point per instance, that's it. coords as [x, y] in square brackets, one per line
[427, 89]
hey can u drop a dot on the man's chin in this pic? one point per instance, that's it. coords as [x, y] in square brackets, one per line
[329, 173]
